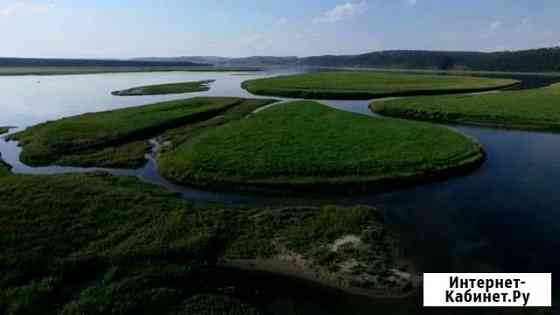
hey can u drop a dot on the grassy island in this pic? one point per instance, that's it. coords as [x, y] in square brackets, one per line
[537, 109]
[308, 145]
[170, 88]
[116, 138]
[367, 85]
[148, 252]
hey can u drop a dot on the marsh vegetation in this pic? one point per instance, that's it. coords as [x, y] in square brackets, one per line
[169, 88]
[525, 109]
[147, 251]
[114, 138]
[367, 85]
[309, 145]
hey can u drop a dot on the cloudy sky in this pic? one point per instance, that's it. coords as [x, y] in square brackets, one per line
[127, 28]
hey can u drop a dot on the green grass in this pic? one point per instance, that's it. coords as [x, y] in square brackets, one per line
[536, 109]
[114, 138]
[170, 88]
[311, 235]
[97, 244]
[308, 145]
[4, 130]
[4, 168]
[175, 137]
[368, 85]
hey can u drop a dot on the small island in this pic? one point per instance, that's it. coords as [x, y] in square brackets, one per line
[169, 88]
[535, 109]
[4, 130]
[305, 145]
[365, 85]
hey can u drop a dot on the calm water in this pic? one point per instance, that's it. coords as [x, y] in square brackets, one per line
[503, 217]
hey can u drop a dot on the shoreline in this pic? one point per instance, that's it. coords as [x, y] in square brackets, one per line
[54, 71]
[346, 185]
[285, 269]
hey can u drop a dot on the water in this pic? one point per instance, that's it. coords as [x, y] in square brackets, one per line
[503, 217]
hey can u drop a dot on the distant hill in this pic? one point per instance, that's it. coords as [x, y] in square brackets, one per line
[535, 60]
[255, 61]
[37, 62]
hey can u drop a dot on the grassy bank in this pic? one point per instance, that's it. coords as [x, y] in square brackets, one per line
[308, 145]
[114, 138]
[11, 71]
[162, 89]
[368, 85]
[4, 130]
[528, 109]
[148, 252]
[4, 168]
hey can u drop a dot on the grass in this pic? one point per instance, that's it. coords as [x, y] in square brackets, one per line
[114, 138]
[171, 88]
[4, 168]
[14, 71]
[148, 252]
[536, 109]
[4, 130]
[368, 85]
[308, 145]
[325, 244]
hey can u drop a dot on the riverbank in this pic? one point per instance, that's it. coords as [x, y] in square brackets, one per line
[534, 109]
[159, 254]
[363, 85]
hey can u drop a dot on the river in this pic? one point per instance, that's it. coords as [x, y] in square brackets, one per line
[503, 217]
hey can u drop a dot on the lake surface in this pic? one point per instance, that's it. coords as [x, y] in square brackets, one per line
[504, 217]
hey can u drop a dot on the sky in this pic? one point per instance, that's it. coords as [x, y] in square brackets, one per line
[236, 28]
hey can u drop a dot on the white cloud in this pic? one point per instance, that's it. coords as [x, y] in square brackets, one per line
[24, 7]
[412, 2]
[257, 42]
[495, 26]
[282, 21]
[342, 12]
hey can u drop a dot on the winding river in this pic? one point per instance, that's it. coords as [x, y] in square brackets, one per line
[504, 217]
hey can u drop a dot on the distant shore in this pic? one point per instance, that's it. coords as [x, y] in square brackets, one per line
[49, 70]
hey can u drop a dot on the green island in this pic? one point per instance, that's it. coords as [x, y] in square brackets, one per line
[146, 251]
[308, 145]
[162, 89]
[118, 138]
[4, 130]
[363, 85]
[535, 109]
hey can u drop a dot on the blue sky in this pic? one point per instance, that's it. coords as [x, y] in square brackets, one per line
[126, 28]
